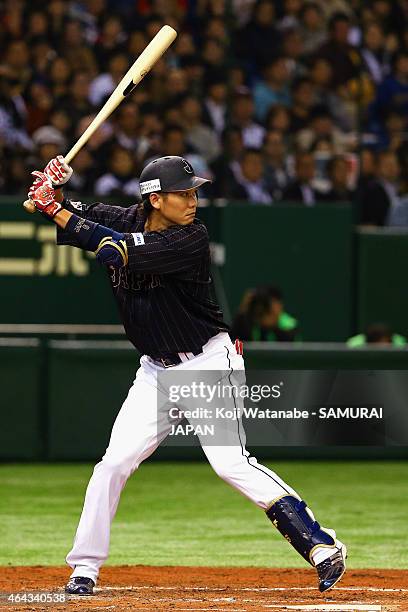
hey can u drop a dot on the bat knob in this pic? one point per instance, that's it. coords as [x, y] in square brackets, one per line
[29, 206]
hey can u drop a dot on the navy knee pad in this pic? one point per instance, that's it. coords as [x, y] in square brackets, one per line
[290, 517]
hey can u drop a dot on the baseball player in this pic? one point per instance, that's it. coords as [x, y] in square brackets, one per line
[157, 256]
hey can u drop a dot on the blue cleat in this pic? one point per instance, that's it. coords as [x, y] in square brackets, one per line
[80, 585]
[332, 569]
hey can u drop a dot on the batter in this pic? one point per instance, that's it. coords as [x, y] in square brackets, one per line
[157, 255]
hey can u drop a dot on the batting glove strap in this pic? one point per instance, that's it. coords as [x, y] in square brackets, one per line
[293, 521]
[43, 195]
[58, 171]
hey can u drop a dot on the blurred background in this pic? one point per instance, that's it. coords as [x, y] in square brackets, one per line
[296, 110]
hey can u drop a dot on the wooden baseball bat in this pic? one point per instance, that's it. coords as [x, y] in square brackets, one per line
[144, 63]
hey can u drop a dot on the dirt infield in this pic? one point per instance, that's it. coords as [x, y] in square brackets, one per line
[191, 589]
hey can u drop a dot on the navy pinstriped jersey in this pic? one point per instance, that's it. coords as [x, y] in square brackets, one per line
[164, 294]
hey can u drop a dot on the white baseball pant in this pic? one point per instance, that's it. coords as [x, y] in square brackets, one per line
[139, 428]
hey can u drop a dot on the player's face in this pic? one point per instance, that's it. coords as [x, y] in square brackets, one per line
[179, 207]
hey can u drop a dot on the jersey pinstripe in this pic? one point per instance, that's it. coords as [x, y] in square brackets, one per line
[164, 295]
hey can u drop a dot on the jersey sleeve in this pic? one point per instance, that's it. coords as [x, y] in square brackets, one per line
[169, 251]
[115, 217]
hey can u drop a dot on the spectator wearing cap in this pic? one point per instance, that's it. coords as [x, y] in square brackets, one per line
[381, 196]
[49, 143]
[242, 116]
[343, 57]
[273, 88]
[301, 188]
[249, 183]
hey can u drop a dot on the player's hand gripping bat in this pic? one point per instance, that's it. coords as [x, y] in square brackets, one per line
[144, 63]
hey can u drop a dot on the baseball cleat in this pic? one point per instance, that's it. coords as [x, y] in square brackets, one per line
[80, 585]
[332, 569]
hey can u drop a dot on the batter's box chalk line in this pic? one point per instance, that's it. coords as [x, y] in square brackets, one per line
[330, 607]
[251, 589]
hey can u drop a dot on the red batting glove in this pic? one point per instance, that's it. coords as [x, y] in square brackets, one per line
[58, 171]
[43, 195]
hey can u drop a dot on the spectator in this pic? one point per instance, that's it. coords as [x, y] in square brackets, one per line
[120, 179]
[273, 89]
[227, 164]
[103, 85]
[39, 106]
[378, 333]
[259, 40]
[338, 173]
[312, 27]
[275, 159]
[375, 53]
[262, 317]
[198, 135]
[242, 116]
[321, 126]
[49, 143]
[174, 143]
[126, 132]
[343, 58]
[83, 179]
[215, 107]
[382, 194]
[59, 76]
[13, 112]
[250, 184]
[111, 40]
[303, 100]
[76, 102]
[393, 91]
[278, 118]
[301, 188]
[291, 11]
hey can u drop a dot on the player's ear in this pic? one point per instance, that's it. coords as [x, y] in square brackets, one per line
[155, 200]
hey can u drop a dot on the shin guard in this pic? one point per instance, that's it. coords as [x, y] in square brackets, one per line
[290, 517]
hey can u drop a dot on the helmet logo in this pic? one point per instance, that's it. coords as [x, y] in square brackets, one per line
[188, 167]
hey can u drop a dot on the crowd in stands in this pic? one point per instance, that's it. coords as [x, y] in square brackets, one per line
[277, 100]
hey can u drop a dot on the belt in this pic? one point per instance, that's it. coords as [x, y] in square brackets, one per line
[173, 359]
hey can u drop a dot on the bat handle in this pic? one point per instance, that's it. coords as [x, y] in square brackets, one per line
[29, 206]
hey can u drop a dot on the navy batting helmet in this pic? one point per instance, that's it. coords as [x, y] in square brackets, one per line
[170, 173]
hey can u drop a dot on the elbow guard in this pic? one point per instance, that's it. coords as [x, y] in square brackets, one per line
[112, 252]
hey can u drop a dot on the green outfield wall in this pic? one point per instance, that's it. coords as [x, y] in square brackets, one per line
[60, 398]
[335, 280]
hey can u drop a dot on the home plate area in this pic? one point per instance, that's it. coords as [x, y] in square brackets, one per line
[154, 588]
